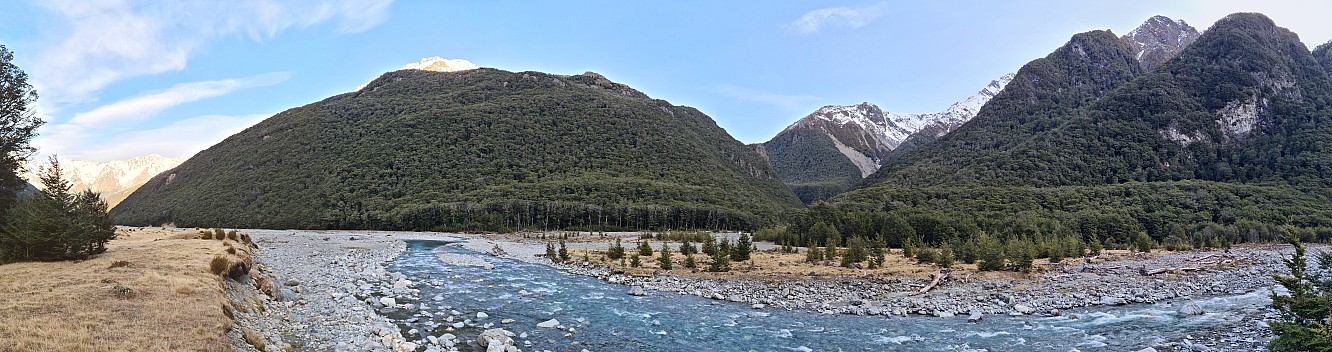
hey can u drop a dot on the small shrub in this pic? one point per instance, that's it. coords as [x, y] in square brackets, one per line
[231, 235]
[218, 234]
[218, 265]
[119, 264]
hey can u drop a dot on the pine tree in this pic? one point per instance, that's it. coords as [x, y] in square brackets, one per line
[1094, 248]
[720, 262]
[55, 224]
[687, 248]
[710, 246]
[834, 241]
[550, 252]
[742, 249]
[724, 246]
[876, 254]
[945, 259]
[633, 260]
[18, 125]
[908, 248]
[616, 251]
[855, 251]
[665, 259]
[1143, 242]
[564, 252]
[990, 255]
[689, 262]
[1303, 325]
[644, 249]
[1021, 253]
[812, 253]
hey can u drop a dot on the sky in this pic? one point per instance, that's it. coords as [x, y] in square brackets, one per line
[123, 78]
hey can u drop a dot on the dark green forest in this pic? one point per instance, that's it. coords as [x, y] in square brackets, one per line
[475, 150]
[807, 161]
[1083, 144]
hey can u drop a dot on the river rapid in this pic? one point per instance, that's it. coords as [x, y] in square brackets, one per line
[599, 316]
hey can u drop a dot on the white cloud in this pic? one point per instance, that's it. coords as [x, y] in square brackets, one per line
[785, 102]
[109, 40]
[146, 106]
[181, 138]
[814, 21]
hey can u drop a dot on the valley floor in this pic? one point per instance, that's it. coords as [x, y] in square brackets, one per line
[342, 278]
[151, 291]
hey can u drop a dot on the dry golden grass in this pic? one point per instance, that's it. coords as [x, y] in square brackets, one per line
[71, 306]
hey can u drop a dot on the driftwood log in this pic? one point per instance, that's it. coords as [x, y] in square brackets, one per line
[942, 275]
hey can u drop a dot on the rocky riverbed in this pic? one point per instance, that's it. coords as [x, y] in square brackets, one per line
[338, 294]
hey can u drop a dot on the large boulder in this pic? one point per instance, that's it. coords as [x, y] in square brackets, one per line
[549, 324]
[495, 340]
[1191, 309]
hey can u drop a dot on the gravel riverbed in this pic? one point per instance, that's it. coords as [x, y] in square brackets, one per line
[338, 295]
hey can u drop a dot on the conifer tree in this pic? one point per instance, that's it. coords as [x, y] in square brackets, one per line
[644, 249]
[990, 255]
[710, 246]
[812, 253]
[55, 224]
[1303, 324]
[564, 252]
[616, 250]
[665, 259]
[633, 260]
[689, 262]
[550, 252]
[743, 246]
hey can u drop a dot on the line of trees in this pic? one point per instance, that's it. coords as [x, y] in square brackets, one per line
[55, 223]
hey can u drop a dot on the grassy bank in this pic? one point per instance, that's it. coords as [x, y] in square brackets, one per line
[151, 291]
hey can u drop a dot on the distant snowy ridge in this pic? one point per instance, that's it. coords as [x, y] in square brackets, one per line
[115, 180]
[865, 134]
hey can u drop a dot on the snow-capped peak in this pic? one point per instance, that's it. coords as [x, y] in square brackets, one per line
[439, 64]
[956, 114]
[113, 179]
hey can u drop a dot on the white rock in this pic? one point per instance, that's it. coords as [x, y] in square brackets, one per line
[482, 315]
[506, 321]
[459, 325]
[495, 338]
[388, 301]
[548, 324]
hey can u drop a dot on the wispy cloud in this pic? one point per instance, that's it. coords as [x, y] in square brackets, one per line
[852, 17]
[147, 106]
[786, 102]
[110, 129]
[105, 41]
[181, 138]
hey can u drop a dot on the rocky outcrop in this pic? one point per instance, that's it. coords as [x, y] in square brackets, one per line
[1159, 39]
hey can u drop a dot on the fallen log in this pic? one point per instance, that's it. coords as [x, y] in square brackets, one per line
[1165, 270]
[943, 274]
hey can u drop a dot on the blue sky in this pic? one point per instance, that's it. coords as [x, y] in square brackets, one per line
[119, 79]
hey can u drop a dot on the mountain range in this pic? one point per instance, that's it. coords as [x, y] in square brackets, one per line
[114, 180]
[1164, 131]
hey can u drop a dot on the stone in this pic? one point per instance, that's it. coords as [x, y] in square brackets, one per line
[495, 338]
[506, 321]
[548, 324]
[459, 325]
[758, 306]
[1112, 301]
[637, 291]
[401, 284]
[1191, 309]
[1023, 309]
[388, 301]
[1149, 349]
[975, 317]
[943, 314]
[292, 282]
[482, 315]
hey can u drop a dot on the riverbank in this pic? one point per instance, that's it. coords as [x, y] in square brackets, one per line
[341, 286]
[150, 291]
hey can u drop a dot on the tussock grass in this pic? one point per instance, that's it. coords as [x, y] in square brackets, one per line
[253, 338]
[73, 306]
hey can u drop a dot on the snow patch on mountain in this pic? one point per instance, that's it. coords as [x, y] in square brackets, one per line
[1159, 39]
[866, 134]
[439, 64]
[113, 179]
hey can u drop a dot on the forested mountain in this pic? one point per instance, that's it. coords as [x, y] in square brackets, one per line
[478, 149]
[1043, 94]
[1229, 141]
[1324, 55]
